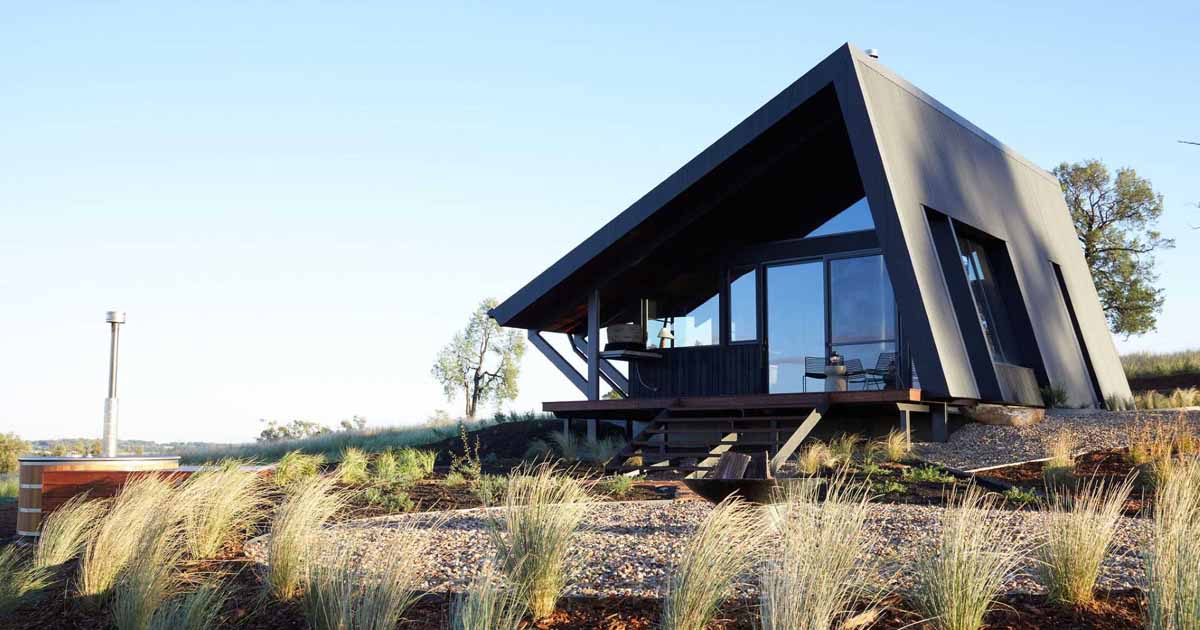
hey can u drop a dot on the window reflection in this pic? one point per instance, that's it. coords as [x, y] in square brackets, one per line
[743, 305]
[699, 327]
[855, 218]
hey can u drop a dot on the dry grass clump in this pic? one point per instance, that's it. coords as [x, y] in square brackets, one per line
[219, 507]
[141, 506]
[541, 513]
[813, 574]
[294, 531]
[815, 457]
[353, 467]
[194, 610]
[66, 531]
[958, 581]
[1180, 397]
[488, 605]
[705, 572]
[1079, 528]
[20, 580]
[345, 593]
[1059, 469]
[843, 446]
[151, 576]
[1173, 563]
[896, 446]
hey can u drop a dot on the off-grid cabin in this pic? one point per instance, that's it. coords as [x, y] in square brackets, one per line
[853, 246]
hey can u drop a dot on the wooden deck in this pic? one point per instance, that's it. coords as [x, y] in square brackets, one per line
[646, 408]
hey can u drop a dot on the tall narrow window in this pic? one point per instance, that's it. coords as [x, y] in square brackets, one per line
[743, 305]
[989, 303]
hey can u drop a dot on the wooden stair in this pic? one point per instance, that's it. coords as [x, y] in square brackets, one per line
[692, 439]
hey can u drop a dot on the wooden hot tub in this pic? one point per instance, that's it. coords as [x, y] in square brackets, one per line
[48, 482]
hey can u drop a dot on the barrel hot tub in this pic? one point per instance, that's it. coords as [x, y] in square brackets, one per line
[48, 482]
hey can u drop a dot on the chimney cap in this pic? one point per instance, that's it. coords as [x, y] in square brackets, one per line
[872, 53]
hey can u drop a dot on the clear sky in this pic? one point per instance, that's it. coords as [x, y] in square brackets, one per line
[298, 204]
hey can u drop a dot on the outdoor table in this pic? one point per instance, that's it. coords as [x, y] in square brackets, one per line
[835, 378]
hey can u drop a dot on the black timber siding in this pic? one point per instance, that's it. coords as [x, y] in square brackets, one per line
[700, 371]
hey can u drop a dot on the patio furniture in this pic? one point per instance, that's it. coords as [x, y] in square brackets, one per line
[884, 371]
[814, 367]
[855, 373]
[835, 378]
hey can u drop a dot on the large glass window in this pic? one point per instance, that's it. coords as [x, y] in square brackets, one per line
[855, 218]
[862, 317]
[989, 304]
[700, 327]
[795, 325]
[743, 305]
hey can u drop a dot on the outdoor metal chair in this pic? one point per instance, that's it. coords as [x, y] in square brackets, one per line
[855, 374]
[814, 367]
[884, 371]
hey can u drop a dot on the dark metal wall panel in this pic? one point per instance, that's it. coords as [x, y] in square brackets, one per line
[700, 371]
[932, 157]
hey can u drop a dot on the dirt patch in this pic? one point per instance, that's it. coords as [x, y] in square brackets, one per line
[1110, 466]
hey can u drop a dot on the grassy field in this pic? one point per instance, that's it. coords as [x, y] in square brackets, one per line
[333, 444]
[1140, 364]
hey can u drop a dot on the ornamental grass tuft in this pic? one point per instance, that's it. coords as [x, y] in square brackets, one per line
[1079, 529]
[959, 580]
[706, 571]
[542, 511]
[813, 574]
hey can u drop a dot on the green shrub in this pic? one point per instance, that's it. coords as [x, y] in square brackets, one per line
[10, 487]
[566, 445]
[602, 450]
[386, 467]
[1114, 402]
[1020, 496]
[888, 487]
[392, 500]
[352, 469]
[1054, 397]
[490, 489]
[11, 447]
[616, 485]
[538, 449]
[928, 474]
[415, 464]
[296, 467]
[468, 464]
[454, 479]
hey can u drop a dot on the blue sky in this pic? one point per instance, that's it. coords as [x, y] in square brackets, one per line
[299, 203]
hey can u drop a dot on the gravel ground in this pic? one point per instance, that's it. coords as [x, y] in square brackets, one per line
[976, 446]
[625, 549]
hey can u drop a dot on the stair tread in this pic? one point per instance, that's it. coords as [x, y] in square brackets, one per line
[722, 430]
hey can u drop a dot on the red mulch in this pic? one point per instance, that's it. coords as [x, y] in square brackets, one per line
[1111, 466]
